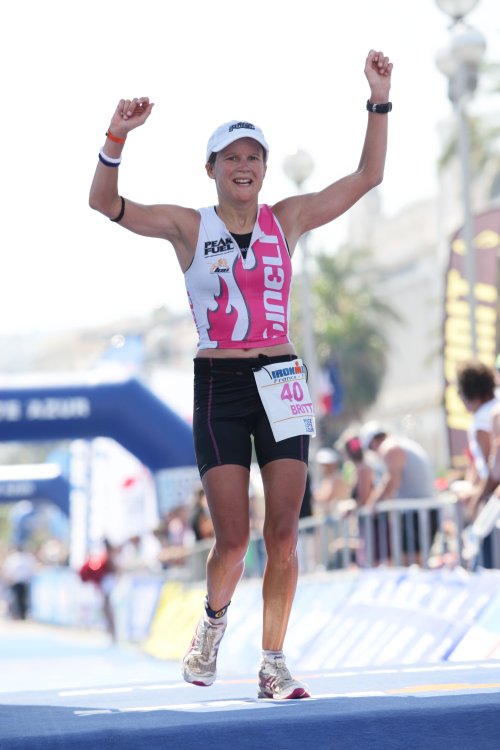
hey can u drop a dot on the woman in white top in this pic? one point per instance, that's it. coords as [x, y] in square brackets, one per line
[204, 243]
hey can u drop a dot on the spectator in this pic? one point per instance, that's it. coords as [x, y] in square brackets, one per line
[306, 548]
[497, 376]
[18, 570]
[407, 476]
[176, 537]
[362, 486]
[306, 509]
[408, 471]
[485, 505]
[492, 481]
[201, 520]
[140, 552]
[332, 499]
[364, 474]
[101, 568]
[332, 487]
[476, 385]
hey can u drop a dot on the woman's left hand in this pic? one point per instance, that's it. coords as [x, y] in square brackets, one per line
[378, 71]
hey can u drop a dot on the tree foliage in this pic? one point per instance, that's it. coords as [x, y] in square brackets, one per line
[349, 327]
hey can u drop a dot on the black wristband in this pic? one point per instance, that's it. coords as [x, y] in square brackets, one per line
[122, 210]
[379, 109]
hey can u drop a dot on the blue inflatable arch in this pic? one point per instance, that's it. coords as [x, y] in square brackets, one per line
[36, 482]
[123, 409]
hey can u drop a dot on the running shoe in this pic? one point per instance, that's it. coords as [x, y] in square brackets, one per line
[199, 665]
[275, 681]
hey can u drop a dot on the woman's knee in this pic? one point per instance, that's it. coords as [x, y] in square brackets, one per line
[281, 538]
[231, 549]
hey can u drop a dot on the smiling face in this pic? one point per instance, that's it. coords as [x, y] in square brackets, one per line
[239, 170]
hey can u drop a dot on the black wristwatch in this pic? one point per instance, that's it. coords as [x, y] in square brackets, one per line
[380, 109]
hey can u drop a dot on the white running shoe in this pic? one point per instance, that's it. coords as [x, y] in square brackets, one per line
[199, 666]
[275, 681]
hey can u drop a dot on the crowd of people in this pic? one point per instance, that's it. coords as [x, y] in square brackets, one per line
[381, 465]
[366, 467]
[363, 468]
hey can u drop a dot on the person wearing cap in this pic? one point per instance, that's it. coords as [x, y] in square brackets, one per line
[332, 500]
[331, 487]
[407, 475]
[236, 261]
[407, 468]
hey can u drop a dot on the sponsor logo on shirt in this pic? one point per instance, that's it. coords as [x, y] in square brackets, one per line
[220, 266]
[217, 247]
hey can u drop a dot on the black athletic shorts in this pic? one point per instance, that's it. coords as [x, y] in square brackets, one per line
[228, 412]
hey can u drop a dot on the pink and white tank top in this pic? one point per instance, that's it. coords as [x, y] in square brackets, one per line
[240, 303]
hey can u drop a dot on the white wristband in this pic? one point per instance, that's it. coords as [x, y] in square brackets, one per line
[110, 159]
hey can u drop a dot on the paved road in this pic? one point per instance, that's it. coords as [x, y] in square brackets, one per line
[40, 657]
[66, 690]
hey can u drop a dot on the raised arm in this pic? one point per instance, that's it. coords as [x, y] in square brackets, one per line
[394, 459]
[128, 115]
[177, 224]
[302, 213]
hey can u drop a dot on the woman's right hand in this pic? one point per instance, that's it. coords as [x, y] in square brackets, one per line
[130, 114]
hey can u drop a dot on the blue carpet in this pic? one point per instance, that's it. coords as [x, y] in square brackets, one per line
[424, 715]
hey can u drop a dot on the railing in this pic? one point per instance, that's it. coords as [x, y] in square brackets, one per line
[428, 533]
[398, 532]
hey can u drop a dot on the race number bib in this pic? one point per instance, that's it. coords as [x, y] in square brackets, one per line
[285, 396]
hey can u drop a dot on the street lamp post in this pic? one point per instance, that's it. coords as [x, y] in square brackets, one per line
[298, 167]
[460, 63]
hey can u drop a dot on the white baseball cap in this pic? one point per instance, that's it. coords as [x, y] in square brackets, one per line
[233, 131]
[327, 456]
[369, 431]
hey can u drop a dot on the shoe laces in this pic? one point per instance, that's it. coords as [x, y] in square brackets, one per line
[275, 672]
[207, 639]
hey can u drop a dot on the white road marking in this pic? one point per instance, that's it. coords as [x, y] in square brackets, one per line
[252, 703]
[95, 691]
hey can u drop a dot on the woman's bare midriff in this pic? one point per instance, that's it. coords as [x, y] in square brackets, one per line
[269, 351]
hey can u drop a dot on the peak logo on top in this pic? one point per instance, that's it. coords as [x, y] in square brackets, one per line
[217, 247]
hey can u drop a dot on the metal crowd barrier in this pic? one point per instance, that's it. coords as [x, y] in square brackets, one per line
[397, 532]
[428, 533]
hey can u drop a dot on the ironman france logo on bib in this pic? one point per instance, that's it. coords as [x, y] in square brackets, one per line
[285, 396]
